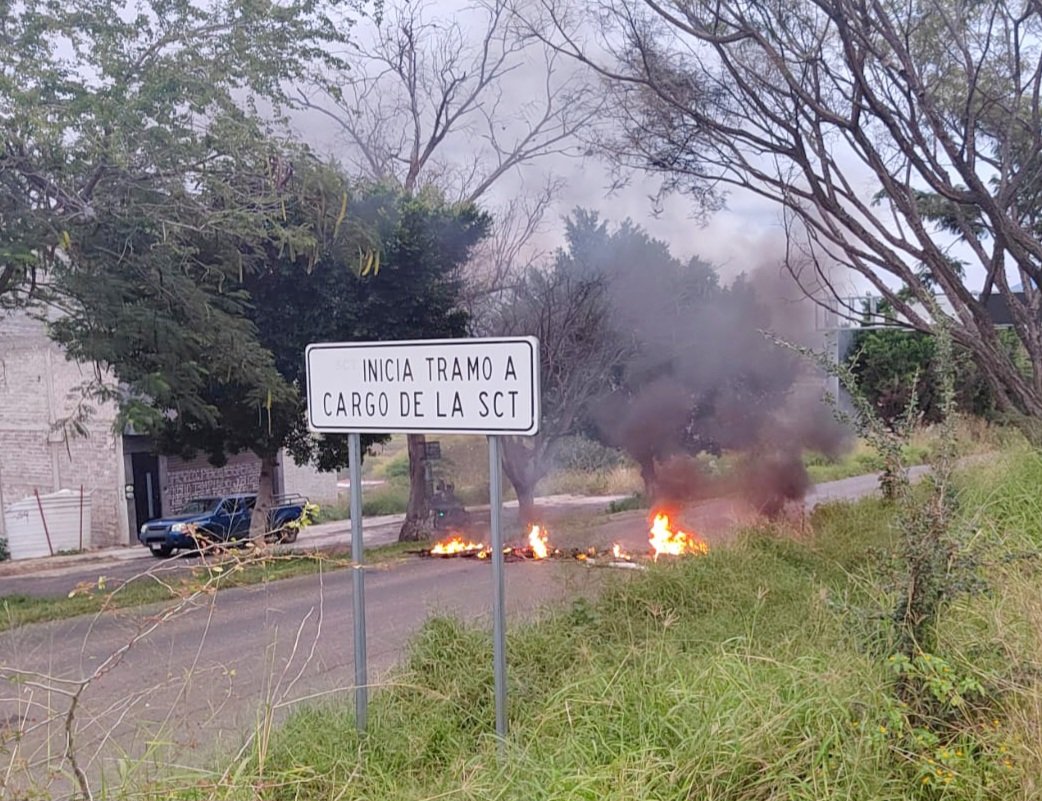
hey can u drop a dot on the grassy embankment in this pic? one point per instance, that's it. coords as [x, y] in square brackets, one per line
[973, 436]
[464, 463]
[762, 671]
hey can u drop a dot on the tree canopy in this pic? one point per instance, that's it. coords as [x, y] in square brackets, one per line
[893, 367]
[128, 130]
[424, 243]
[212, 360]
[886, 134]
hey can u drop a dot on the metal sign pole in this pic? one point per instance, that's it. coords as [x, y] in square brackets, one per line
[499, 624]
[484, 386]
[354, 447]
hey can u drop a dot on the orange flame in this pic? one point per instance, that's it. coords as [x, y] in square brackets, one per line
[455, 545]
[538, 542]
[618, 553]
[673, 543]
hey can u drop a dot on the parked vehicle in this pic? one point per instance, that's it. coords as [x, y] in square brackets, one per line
[224, 519]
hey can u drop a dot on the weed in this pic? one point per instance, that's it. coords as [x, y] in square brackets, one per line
[389, 499]
[635, 501]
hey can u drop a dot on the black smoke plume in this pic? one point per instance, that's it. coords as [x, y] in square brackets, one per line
[702, 376]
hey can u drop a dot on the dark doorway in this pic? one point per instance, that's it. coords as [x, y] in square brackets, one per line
[147, 498]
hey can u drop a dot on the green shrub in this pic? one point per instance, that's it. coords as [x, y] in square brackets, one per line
[4, 553]
[397, 467]
[391, 498]
[636, 501]
[894, 367]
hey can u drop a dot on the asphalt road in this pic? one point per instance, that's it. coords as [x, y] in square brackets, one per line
[58, 575]
[198, 685]
[198, 682]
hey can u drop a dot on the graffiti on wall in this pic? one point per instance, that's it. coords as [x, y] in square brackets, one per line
[183, 485]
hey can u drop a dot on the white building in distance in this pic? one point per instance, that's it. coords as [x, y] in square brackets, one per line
[125, 481]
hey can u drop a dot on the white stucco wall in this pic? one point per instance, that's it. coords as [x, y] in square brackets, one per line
[318, 487]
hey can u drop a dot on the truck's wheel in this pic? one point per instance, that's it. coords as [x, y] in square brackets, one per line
[161, 551]
[286, 535]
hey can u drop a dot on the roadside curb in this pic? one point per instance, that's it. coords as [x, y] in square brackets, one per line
[46, 565]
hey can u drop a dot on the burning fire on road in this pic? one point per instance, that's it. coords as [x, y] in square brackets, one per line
[456, 546]
[667, 542]
[537, 547]
[539, 543]
[663, 539]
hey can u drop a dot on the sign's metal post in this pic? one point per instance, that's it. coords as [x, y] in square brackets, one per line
[354, 446]
[499, 623]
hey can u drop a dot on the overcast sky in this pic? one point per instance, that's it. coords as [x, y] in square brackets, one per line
[737, 239]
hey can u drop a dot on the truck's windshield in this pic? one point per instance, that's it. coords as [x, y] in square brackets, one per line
[199, 505]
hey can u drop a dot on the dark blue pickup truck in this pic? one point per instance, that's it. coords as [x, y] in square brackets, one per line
[224, 519]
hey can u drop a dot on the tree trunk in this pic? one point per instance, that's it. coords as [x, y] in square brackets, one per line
[417, 525]
[524, 467]
[526, 503]
[649, 476]
[265, 499]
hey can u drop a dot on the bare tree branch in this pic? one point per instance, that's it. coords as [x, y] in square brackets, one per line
[896, 135]
[459, 104]
[570, 316]
[424, 102]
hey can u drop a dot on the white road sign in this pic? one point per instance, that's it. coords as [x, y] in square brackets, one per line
[471, 386]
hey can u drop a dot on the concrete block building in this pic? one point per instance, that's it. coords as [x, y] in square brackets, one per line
[126, 482]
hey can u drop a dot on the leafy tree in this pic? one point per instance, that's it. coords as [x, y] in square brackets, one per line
[894, 366]
[883, 133]
[175, 335]
[122, 125]
[227, 375]
[695, 372]
[424, 242]
[642, 408]
[138, 184]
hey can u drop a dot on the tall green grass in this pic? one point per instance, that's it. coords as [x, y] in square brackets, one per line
[972, 436]
[391, 498]
[759, 672]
